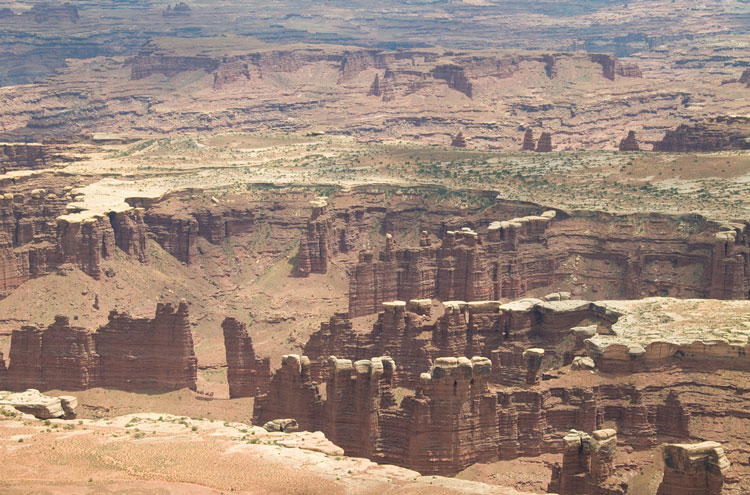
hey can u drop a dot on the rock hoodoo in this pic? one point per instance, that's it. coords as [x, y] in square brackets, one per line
[629, 143]
[587, 467]
[458, 140]
[247, 375]
[544, 144]
[528, 141]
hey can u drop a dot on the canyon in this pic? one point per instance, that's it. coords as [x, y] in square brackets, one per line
[468, 247]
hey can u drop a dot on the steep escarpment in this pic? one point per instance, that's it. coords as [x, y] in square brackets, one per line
[720, 133]
[176, 223]
[135, 354]
[247, 374]
[455, 418]
[39, 232]
[627, 256]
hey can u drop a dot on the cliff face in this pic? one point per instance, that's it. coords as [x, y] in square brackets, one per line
[143, 355]
[693, 469]
[36, 238]
[720, 133]
[630, 256]
[247, 375]
[455, 418]
[16, 156]
[176, 224]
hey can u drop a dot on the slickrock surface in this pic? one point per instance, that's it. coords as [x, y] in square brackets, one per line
[162, 453]
[39, 405]
[664, 332]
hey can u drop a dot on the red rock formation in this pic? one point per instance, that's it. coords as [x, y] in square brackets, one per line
[176, 233]
[510, 259]
[45, 12]
[455, 77]
[130, 232]
[629, 143]
[550, 65]
[28, 237]
[59, 357]
[180, 9]
[356, 393]
[129, 354]
[375, 87]
[544, 144]
[607, 62]
[247, 375]
[697, 469]
[16, 156]
[587, 467]
[720, 133]
[231, 70]
[292, 394]
[144, 354]
[458, 140]
[327, 234]
[628, 70]
[528, 141]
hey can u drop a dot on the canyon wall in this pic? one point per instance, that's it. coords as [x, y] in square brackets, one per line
[621, 256]
[134, 354]
[456, 418]
[39, 233]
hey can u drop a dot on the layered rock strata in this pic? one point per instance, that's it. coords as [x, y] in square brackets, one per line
[135, 354]
[588, 465]
[40, 231]
[692, 469]
[628, 256]
[247, 374]
[720, 133]
[456, 418]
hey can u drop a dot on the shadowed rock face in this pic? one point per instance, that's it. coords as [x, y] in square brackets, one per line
[247, 375]
[137, 354]
[692, 469]
[587, 467]
[720, 133]
[528, 141]
[629, 143]
[544, 145]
